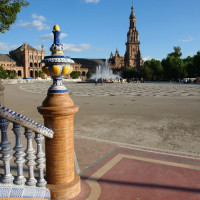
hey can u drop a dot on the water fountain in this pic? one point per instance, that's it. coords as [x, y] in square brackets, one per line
[104, 71]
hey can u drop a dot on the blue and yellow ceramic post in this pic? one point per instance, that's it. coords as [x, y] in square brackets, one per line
[58, 111]
[57, 65]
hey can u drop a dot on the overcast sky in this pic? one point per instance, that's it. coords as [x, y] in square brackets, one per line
[94, 28]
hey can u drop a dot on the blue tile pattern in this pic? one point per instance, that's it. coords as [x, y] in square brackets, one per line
[40, 193]
[5, 191]
[29, 192]
[15, 117]
[14, 191]
[47, 195]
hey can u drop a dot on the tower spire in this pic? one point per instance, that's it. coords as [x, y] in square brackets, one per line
[132, 55]
[132, 11]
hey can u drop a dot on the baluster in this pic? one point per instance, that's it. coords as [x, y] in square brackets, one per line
[40, 160]
[5, 151]
[19, 155]
[31, 181]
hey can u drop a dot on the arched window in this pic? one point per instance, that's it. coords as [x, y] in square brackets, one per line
[83, 73]
[35, 64]
[19, 73]
[31, 64]
[31, 73]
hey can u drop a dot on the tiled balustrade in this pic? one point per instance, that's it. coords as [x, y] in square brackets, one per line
[58, 111]
[20, 186]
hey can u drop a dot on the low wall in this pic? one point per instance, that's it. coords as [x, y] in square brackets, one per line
[16, 81]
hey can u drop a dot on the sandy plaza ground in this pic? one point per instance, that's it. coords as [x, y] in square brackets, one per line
[147, 115]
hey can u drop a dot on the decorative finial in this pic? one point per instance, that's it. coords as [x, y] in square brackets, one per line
[132, 10]
[42, 47]
[56, 32]
[57, 65]
[56, 28]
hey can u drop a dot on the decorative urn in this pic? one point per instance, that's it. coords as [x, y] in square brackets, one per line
[57, 65]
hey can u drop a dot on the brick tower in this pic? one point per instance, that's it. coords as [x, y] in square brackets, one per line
[132, 56]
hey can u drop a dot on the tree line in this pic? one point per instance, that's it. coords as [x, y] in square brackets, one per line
[173, 67]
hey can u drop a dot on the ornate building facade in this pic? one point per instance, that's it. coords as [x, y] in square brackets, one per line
[25, 61]
[132, 57]
[30, 58]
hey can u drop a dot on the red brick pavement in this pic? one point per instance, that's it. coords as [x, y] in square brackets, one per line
[128, 174]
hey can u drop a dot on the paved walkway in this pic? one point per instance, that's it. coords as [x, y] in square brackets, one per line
[122, 173]
[118, 89]
[132, 174]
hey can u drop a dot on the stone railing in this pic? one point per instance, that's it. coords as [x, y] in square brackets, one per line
[19, 186]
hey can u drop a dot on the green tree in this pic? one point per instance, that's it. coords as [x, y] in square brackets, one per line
[152, 69]
[173, 65]
[3, 73]
[11, 74]
[177, 52]
[146, 71]
[174, 68]
[89, 74]
[190, 67]
[130, 73]
[75, 74]
[196, 62]
[8, 12]
[41, 74]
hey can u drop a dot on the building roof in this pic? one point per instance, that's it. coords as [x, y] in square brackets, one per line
[27, 46]
[6, 57]
[91, 64]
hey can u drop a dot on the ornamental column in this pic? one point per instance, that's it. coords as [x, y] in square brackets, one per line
[58, 111]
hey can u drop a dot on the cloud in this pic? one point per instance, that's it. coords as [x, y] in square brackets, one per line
[101, 49]
[147, 58]
[6, 47]
[189, 39]
[76, 48]
[92, 1]
[39, 47]
[38, 23]
[50, 36]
